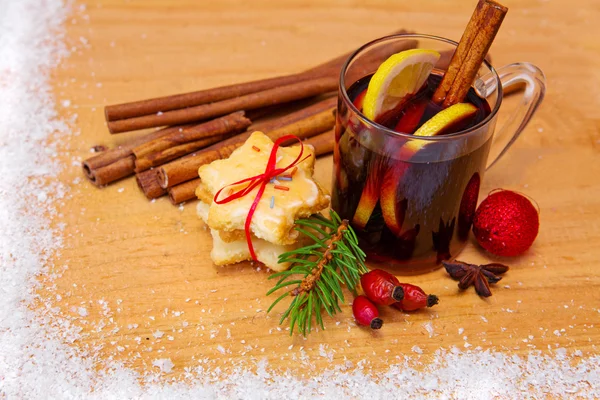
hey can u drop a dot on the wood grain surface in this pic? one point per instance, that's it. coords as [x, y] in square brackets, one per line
[142, 268]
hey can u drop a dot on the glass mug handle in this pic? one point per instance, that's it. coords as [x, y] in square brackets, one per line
[512, 76]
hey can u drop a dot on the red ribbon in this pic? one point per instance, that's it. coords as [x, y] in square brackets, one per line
[260, 180]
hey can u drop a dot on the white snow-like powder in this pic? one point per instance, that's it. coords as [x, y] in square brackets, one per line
[165, 364]
[429, 328]
[158, 334]
[36, 360]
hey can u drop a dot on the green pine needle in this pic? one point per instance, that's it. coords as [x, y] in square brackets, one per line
[345, 266]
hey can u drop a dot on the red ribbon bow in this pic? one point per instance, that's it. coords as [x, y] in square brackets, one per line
[260, 180]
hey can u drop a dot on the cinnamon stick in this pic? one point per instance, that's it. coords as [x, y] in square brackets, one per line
[306, 127]
[265, 98]
[161, 157]
[112, 172]
[290, 118]
[184, 191]
[192, 99]
[234, 122]
[149, 185]
[122, 151]
[322, 144]
[185, 169]
[470, 52]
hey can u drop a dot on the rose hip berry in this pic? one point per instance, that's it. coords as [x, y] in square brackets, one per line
[415, 298]
[382, 287]
[366, 313]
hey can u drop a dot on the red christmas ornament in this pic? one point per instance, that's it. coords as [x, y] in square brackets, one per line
[506, 223]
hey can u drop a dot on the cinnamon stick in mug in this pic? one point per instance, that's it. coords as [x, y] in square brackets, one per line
[470, 52]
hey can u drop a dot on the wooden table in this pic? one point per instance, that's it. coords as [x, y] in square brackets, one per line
[142, 268]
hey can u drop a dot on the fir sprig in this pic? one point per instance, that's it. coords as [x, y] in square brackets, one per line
[318, 271]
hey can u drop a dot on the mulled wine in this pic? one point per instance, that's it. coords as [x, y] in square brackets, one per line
[410, 200]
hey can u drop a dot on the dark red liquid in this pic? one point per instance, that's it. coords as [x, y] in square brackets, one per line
[410, 212]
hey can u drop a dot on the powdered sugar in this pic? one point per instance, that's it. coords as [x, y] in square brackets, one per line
[429, 328]
[36, 358]
[165, 364]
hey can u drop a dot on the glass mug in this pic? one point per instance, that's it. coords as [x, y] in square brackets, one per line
[411, 210]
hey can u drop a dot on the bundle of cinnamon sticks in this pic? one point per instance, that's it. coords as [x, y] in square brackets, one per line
[199, 127]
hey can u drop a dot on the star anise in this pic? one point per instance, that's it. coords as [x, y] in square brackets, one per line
[479, 276]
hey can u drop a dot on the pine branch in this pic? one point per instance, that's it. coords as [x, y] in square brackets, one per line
[318, 271]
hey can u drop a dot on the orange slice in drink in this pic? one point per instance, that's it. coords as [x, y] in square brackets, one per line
[398, 77]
